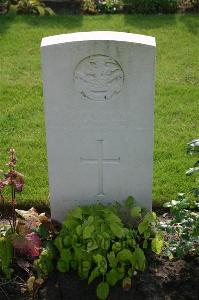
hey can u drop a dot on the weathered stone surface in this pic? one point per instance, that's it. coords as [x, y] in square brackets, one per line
[99, 90]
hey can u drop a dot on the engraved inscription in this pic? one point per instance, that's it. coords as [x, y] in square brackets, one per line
[98, 77]
[100, 160]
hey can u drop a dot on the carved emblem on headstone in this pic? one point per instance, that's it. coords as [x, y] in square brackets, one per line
[98, 77]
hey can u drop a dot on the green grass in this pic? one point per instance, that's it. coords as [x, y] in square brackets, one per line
[176, 101]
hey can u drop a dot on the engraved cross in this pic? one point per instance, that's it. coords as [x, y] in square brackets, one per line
[100, 161]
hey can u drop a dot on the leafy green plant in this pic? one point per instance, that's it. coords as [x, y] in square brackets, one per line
[102, 6]
[33, 238]
[109, 6]
[95, 242]
[184, 225]
[193, 148]
[33, 7]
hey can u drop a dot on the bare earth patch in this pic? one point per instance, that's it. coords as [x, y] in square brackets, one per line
[161, 280]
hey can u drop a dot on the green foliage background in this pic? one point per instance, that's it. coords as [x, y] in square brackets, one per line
[176, 100]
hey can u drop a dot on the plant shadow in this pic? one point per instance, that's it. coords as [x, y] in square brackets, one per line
[63, 21]
[149, 21]
[191, 21]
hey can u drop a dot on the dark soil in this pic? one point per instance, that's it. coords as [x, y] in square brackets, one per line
[162, 280]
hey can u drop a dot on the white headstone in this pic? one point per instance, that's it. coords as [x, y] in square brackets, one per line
[99, 90]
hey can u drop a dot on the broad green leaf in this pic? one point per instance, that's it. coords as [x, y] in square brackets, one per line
[71, 223]
[147, 233]
[106, 235]
[63, 266]
[112, 259]
[50, 11]
[65, 255]
[41, 10]
[87, 231]
[79, 230]
[101, 263]
[136, 212]
[105, 244]
[131, 242]
[157, 243]
[74, 239]
[92, 245]
[77, 253]
[116, 247]
[83, 269]
[138, 259]
[142, 227]
[58, 243]
[117, 230]
[103, 266]
[124, 255]
[129, 202]
[150, 217]
[77, 213]
[90, 220]
[34, 1]
[113, 276]
[94, 274]
[102, 290]
[113, 218]
[6, 255]
[98, 258]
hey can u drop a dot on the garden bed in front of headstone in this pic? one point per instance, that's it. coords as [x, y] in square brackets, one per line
[162, 278]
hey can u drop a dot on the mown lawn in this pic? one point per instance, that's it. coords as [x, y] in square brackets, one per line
[176, 101]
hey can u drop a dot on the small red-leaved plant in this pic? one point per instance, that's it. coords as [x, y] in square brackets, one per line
[28, 234]
[15, 181]
[29, 244]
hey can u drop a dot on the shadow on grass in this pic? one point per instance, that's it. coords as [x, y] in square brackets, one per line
[69, 22]
[6, 21]
[149, 21]
[191, 21]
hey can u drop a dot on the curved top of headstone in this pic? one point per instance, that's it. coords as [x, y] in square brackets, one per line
[98, 35]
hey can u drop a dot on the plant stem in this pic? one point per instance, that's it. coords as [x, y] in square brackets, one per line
[13, 194]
